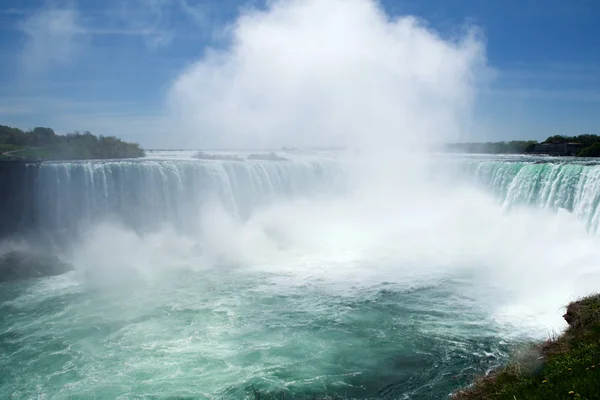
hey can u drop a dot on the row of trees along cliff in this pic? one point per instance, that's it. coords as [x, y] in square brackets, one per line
[580, 146]
[45, 144]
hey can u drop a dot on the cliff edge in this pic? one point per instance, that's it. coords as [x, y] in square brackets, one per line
[566, 367]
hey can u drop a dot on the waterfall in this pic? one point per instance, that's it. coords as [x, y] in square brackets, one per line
[149, 193]
[57, 198]
[572, 185]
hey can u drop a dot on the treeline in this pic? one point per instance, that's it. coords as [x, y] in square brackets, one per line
[590, 144]
[44, 143]
[513, 147]
[586, 146]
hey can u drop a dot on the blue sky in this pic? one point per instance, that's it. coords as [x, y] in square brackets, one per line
[107, 66]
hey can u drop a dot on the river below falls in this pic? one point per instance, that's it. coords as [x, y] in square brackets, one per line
[207, 334]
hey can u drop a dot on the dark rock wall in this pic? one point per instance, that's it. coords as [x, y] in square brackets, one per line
[17, 201]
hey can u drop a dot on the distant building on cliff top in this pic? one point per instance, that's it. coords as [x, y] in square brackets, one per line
[558, 149]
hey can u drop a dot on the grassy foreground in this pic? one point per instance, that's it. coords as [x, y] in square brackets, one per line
[567, 367]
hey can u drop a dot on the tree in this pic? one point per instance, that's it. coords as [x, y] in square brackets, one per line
[557, 139]
[42, 137]
[72, 146]
[590, 151]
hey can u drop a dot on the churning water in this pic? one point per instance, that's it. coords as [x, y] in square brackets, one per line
[216, 278]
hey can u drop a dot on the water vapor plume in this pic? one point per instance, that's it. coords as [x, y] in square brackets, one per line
[328, 73]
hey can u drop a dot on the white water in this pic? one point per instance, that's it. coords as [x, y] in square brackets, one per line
[328, 283]
[528, 260]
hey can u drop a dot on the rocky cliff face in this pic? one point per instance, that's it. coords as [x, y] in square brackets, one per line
[17, 184]
[18, 265]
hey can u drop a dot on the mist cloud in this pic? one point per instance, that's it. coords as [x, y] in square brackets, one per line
[321, 73]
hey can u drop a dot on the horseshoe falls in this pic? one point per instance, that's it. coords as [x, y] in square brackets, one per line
[573, 186]
[322, 275]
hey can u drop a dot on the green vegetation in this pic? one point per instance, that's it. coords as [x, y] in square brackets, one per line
[590, 151]
[581, 146]
[514, 147]
[44, 144]
[567, 367]
[9, 147]
[584, 140]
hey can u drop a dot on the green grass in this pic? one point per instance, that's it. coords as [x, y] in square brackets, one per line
[28, 153]
[9, 147]
[32, 153]
[567, 367]
[37, 153]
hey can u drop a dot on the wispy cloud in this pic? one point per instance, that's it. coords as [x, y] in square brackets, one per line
[571, 95]
[563, 73]
[14, 11]
[149, 17]
[161, 21]
[7, 110]
[119, 32]
[199, 13]
[55, 37]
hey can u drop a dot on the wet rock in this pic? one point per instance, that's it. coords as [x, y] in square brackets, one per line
[18, 265]
[266, 157]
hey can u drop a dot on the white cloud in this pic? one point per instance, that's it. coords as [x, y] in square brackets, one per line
[54, 38]
[313, 72]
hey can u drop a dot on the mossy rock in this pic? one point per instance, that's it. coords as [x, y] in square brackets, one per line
[584, 312]
[570, 364]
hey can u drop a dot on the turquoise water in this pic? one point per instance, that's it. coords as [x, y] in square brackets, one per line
[199, 336]
[290, 282]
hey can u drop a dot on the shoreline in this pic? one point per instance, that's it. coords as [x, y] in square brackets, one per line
[563, 367]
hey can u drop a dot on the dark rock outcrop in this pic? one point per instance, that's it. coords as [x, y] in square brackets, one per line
[18, 265]
[224, 157]
[17, 197]
[266, 157]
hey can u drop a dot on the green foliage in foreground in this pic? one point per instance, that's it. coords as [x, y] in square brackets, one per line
[569, 369]
[44, 144]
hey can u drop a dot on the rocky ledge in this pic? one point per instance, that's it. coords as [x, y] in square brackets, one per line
[19, 265]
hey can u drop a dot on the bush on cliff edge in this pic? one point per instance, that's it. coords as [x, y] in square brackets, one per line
[569, 365]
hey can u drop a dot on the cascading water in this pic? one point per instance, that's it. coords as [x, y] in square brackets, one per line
[572, 185]
[149, 194]
[202, 279]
